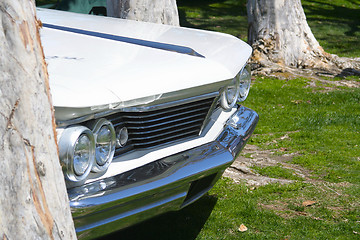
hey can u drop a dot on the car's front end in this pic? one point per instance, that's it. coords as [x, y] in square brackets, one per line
[148, 116]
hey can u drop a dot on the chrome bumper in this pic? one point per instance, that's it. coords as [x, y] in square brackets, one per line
[165, 185]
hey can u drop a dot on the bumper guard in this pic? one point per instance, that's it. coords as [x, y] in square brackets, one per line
[167, 184]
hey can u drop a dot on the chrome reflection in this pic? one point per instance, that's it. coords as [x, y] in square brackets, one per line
[159, 186]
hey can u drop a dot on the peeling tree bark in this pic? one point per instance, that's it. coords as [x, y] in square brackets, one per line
[282, 39]
[159, 11]
[33, 202]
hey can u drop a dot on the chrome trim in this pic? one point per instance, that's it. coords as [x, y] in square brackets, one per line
[248, 69]
[155, 127]
[164, 139]
[66, 143]
[210, 112]
[120, 131]
[161, 186]
[162, 105]
[166, 128]
[135, 41]
[242, 123]
[98, 124]
[67, 116]
[140, 108]
[183, 106]
[169, 132]
[224, 101]
[164, 118]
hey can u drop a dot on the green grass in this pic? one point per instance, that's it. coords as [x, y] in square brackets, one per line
[323, 128]
[216, 15]
[270, 212]
[336, 23]
[277, 172]
[275, 212]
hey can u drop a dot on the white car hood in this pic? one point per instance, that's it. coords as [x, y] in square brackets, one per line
[88, 70]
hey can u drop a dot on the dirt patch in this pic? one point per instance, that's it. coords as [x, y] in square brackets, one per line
[241, 169]
[332, 85]
[281, 209]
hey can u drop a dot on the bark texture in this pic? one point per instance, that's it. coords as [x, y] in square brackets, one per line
[159, 11]
[282, 40]
[33, 202]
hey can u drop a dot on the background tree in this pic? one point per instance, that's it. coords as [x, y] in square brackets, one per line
[283, 41]
[159, 11]
[34, 202]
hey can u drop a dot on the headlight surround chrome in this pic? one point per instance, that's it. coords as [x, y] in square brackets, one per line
[230, 94]
[105, 141]
[238, 90]
[245, 82]
[76, 152]
[122, 136]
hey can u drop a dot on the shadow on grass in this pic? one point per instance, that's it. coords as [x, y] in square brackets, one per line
[215, 15]
[185, 224]
[332, 13]
[336, 24]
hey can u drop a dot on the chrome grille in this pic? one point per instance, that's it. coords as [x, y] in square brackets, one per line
[154, 127]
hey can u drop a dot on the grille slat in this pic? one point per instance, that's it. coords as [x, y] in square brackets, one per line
[148, 137]
[144, 125]
[146, 144]
[155, 127]
[196, 122]
[143, 121]
[170, 111]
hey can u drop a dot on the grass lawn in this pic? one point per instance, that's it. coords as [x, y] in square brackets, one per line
[321, 122]
[322, 125]
[323, 128]
[335, 23]
[316, 122]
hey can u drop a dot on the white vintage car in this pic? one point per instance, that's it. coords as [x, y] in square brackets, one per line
[148, 115]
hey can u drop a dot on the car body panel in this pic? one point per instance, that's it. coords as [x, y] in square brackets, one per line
[132, 73]
[100, 71]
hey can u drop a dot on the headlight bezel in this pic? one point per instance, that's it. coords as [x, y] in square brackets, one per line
[226, 103]
[67, 146]
[245, 82]
[97, 126]
[242, 83]
[121, 133]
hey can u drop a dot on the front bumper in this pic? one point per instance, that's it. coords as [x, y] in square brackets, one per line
[167, 184]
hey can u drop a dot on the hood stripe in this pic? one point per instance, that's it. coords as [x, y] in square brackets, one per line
[151, 44]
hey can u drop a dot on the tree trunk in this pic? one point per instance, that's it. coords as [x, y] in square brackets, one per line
[156, 11]
[34, 202]
[282, 39]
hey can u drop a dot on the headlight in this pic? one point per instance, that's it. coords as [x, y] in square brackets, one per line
[122, 136]
[105, 141]
[245, 81]
[230, 95]
[77, 152]
[237, 90]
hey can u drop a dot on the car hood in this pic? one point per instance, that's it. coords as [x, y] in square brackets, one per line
[97, 61]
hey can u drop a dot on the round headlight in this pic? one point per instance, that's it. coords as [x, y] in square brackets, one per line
[230, 95]
[122, 136]
[82, 154]
[245, 81]
[105, 140]
[238, 90]
[77, 152]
